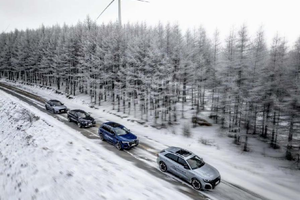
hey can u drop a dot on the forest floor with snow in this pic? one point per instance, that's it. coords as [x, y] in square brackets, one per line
[262, 170]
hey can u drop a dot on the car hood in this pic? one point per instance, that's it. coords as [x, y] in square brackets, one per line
[127, 137]
[207, 172]
[88, 118]
[59, 107]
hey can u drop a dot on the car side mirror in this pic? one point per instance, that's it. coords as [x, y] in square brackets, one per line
[186, 167]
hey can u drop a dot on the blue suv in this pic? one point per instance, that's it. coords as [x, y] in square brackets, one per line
[118, 135]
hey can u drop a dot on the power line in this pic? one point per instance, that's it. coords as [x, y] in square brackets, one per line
[105, 9]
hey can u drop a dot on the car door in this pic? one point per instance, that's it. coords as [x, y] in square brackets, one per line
[113, 136]
[109, 136]
[69, 115]
[74, 116]
[104, 130]
[183, 168]
[171, 162]
[49, 105]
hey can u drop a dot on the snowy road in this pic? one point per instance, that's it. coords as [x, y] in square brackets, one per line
[144, 156]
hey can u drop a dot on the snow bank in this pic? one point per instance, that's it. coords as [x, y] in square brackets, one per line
[41, 158]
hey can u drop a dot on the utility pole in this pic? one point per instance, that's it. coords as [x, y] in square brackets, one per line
[120, 22]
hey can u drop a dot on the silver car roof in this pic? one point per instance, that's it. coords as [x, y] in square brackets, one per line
[173, 149]
[176, 149]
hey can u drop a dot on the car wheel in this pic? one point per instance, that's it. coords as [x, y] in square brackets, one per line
[162, 166]
[119, 146]
[196, 184]
[46, 107]
[53, 111]
[101, 136]
[69, 119]
[79, 125]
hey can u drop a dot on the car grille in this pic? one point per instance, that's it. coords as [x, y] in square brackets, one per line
[62, 110]
[213, 182]
[133, 143]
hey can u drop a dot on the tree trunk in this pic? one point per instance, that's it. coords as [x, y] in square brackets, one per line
[289, 155]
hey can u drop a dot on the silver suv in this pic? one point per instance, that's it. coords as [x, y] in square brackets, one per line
[189, 167]
[55, 106]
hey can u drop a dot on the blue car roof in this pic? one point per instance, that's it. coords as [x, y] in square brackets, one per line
[113, 124]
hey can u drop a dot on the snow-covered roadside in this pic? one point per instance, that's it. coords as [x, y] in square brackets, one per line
[257, 172]
[41, 158]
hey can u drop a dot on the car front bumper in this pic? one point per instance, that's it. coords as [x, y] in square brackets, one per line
[129, 145]
[89, 125]
[61, 111]
[212, 184]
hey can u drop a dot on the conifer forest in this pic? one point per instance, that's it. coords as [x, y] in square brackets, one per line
[159, 73]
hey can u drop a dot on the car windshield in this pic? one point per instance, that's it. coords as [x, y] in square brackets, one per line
[121, 131]
[57, 103]
[195, 162]
[82, 114]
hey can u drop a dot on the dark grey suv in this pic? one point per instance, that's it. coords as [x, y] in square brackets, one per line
[81, 118]
[189, 167]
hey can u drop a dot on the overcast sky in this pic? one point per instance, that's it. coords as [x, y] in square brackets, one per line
[282, 16]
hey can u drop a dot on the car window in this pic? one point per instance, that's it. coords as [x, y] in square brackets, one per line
[106, 129]
[56, 103]
[195, 162]
[120, 131]
[172, 157]
[126, 129]
[182, 162]
[82, 114]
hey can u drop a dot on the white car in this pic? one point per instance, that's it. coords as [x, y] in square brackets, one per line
[55, 106]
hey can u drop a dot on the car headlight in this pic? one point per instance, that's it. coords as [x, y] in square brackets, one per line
[206, 180]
